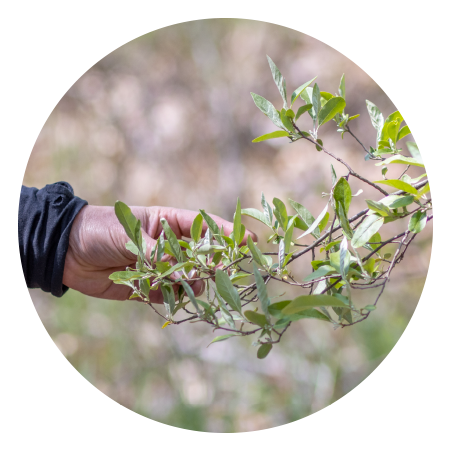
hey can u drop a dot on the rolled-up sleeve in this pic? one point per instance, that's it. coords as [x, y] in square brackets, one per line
[45, 220]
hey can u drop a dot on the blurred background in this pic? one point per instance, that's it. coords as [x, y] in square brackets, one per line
[168, 120]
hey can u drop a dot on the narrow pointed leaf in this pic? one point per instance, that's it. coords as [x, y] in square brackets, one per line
[417, 222]
[274, 135]
[398, 184]
[366, 230]
[400, 159]
[191, 295]
[264, 350]
[315, 224]
[332, 107]
[268, 109]
[168, 298]
[310, 301]
[279, 81]
[258, 257]
[305, 216]
[223, 338]
[173, 241]
[302, 110]
[280, 213]
[267, 209]
[296, 94]
[127, 220]
[227, 290]
[196, 228]
[256, 214]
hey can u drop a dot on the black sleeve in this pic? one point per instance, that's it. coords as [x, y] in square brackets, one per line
[45, 220]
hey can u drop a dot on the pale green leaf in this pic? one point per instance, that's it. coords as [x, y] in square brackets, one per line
[398, 184]
[299, 90]
[332, 107]
[273, 135]
[310, 301]
[227, 290]
[366, 230]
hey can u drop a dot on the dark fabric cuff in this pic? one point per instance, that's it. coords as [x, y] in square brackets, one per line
[45, 220]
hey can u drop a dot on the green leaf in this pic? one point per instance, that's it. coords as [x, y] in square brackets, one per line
[280, 213]
[227, 290]
[392, 123]
[264, 350]
[404, 131]
[316, 99]
[237, 223]
[196, 228]
[276, 308]
[296, 94]
[399, 185]
[332, 107]
[127, 220]
[401, 202]
[225, 313]
[305, 216]
[379, 208]
[168, 298]
[257, 319]
[290, 114]
[173, 269]
[256, 214]
[305, 314]
[126, 275]
[366, 230]
[414, 150]
[310, 301]
[376, 118]
[213, 227]
[424, 190]
[238, 276]
[191, 295]
[315, 224]
[132, 247]
[325, 96]
[302, 110]
[343, 220]
[267, 209]
[273, 135]
[279, 81]
[286, 121]
[323, 222]
[262, 292]
[342, 86]
[288, 234]
[224, 337]
[400, 159]
[173, 241]
[333, 176]
[343, 193]
[417, 222]
[258, 257]
[268, 109]
[322, 271]
[344, 258]
[160, 246]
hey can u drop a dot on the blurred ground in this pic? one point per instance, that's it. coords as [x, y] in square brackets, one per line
[168, 120]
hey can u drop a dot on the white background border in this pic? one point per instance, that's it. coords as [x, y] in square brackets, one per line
[46, 47]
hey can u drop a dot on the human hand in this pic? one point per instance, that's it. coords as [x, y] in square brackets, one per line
[97, 247]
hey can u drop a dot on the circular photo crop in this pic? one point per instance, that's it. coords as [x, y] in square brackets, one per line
[225, 225]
